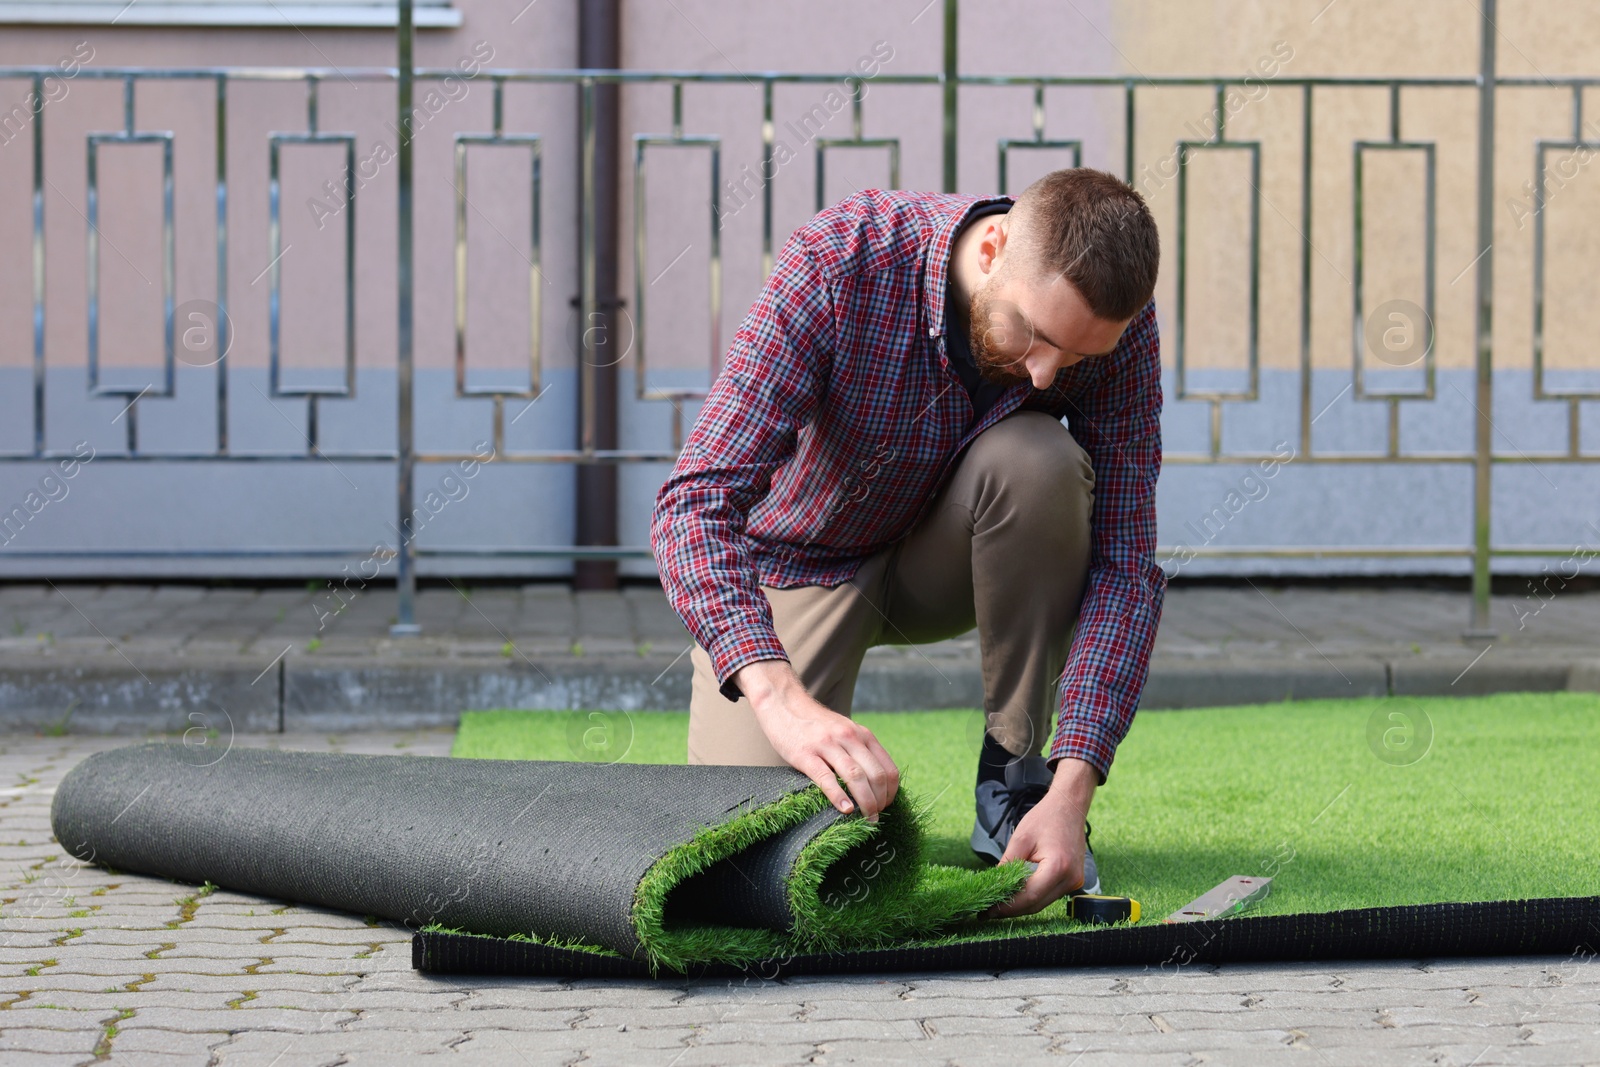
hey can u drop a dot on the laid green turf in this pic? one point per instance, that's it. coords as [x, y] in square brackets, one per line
[1344, 803]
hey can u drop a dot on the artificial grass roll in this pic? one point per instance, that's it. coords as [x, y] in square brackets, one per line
[668, 865]
[1393, 828]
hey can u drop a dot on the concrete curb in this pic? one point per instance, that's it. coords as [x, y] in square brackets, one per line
[110, 697]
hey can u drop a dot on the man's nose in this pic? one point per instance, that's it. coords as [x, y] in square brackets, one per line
[1043, 368]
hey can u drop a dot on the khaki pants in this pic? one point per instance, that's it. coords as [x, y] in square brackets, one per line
[1004, 547]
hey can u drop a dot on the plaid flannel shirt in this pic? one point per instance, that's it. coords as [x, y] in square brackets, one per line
[836, 419]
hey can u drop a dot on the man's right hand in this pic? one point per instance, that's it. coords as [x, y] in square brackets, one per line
[821, 744]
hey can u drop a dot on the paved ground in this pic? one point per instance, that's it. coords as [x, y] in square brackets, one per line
[127, 658]
[1255, 619]
[120, 969]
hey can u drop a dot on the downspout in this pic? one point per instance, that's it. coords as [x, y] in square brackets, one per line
[599, 126]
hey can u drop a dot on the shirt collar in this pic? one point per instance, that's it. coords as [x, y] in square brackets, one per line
[938, 252]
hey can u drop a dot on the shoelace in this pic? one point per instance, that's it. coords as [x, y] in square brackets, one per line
[1019, 803]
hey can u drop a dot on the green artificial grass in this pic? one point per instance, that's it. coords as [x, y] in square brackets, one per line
[842, 893]
[1345, 804]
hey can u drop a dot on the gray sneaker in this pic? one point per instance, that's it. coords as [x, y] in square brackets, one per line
[1002, 804]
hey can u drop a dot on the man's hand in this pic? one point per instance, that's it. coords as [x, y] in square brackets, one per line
[821, 744]
[1051, 835]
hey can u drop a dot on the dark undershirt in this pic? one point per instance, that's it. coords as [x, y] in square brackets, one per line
[958, 347]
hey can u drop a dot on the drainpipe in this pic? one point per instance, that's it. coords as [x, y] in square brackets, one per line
[599, 47]
[405, 623]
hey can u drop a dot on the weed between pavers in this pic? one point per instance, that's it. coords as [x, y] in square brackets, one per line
[190, 904]
[103, 1048]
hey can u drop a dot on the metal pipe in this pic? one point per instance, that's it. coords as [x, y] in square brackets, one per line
[1483, 334]
[405, 559]
[599, 123]
[223, 327]
[38, 266]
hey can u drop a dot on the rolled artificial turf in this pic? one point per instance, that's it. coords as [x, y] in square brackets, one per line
[1346, 804]
[663, 866]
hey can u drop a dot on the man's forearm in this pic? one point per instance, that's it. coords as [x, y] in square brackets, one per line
[1072, 788]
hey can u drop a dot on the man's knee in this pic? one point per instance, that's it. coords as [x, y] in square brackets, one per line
[1031, 452]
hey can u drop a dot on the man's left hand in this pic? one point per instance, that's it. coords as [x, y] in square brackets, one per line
[1051, 835]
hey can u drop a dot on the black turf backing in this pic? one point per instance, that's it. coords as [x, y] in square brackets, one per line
[1559, 925]
[501, 846]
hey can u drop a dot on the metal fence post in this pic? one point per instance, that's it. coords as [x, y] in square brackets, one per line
[405, 579]
[1483, 333]
[950, 94]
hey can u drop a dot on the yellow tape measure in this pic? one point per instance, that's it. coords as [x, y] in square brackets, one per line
[1094, 908]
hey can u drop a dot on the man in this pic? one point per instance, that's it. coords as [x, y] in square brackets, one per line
[882, 461]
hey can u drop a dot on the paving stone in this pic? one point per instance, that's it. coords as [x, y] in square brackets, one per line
[691, 1013]
[521, 1020]
[203, 1020]
[911, 1007]
[45, 1059]
[119, 1058]
[409, 1001]
[42, 1011]
[548, 997]
[707, 1055]
[113, 969]
[503, 1056]
[861, 1028]
[935, 1050]
[574, 1041]
[277, 982]
[14, 1039]
[196, 1047]
[52, 979]
[258, 1048]
[343, 962]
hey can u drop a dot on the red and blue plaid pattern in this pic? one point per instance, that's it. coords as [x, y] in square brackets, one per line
[836, 419]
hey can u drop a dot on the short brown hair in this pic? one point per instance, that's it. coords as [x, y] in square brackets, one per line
[1095, 230]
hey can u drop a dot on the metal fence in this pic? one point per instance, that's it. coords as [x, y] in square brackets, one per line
[1475, 545]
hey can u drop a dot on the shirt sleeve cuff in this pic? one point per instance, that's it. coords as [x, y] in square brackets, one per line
[734, 649]
[1074, 741]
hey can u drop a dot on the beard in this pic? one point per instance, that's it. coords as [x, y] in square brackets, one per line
[991, 322]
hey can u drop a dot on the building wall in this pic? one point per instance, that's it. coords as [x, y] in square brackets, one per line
[347, 504]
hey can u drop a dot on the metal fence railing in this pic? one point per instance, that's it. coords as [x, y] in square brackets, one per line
[1481, 459]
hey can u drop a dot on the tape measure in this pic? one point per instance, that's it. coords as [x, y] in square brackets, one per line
[1095, 908]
